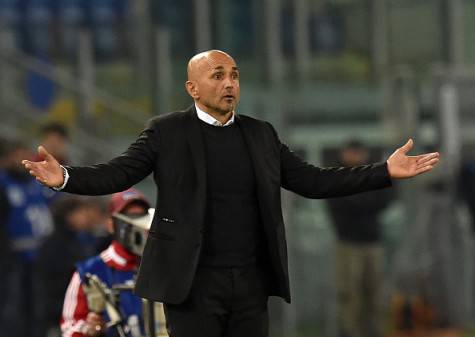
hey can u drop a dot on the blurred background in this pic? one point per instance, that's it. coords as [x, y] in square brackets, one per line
[326, 73]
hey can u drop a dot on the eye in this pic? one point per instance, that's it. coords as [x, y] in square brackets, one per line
[235, 76]
[218, 76]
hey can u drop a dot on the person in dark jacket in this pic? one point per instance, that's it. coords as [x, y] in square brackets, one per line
[359, 251]
[75, 220]
[217, 250]
[466, 186]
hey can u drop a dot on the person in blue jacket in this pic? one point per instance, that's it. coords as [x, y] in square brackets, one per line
[94, 305]
[25, 221]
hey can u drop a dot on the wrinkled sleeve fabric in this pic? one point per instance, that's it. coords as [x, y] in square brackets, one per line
[120, 173]
[315, 182]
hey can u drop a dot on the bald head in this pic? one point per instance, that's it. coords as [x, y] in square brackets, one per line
[213, 83]
[207, 61]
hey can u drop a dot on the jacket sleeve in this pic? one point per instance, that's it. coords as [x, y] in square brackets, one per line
[315, 182]
[120, 173]
[75, 309]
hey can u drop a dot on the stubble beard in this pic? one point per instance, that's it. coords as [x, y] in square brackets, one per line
[221, 111]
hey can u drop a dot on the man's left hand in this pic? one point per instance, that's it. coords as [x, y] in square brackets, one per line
[400, 165]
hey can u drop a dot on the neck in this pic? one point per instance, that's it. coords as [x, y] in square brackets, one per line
[220, 116]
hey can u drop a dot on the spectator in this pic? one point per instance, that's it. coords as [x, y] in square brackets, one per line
[359, 251]
[3, 229]
[3, 151]
[55, 137]
[75, 220]
[466, 188]
[4, 251]
[26, 220]
[116, 265]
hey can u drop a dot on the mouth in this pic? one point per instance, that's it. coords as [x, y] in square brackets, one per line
[228, 97]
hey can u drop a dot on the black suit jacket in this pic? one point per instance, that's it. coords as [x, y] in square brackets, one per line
[172, 148]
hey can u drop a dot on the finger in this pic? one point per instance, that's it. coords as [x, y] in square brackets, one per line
[408, 146]
[41, 180]
[30, 165]
[43, 153]
[427, 157]
[35, 174]
[424, 169]
[27, 163]
[431, 162]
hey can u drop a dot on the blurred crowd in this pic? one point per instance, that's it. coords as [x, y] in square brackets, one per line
[51, 27]
[42, 235]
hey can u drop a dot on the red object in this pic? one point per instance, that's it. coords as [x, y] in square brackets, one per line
[75, 308]
[120, 200]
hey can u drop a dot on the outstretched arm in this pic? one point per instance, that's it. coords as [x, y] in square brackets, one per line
[400, 165]
[316, 182]
[116, 175]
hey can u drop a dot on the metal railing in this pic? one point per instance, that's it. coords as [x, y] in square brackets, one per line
[93, 134]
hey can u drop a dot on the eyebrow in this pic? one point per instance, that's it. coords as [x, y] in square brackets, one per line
[222, 68]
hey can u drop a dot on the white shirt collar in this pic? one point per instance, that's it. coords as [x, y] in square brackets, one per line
[208, 119]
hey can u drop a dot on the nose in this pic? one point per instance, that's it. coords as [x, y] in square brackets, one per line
[228, 82]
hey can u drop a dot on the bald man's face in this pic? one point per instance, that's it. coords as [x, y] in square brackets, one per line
[213, 82]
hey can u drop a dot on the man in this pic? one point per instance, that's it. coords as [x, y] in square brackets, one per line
[218, 250]
[116, 265]
[359, 266]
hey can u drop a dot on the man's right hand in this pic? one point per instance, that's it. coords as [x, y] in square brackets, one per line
[48, 171]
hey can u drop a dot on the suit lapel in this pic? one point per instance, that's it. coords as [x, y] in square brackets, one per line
[252, 145]
[195, 140]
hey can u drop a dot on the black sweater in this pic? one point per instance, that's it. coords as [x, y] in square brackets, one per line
[233, 230]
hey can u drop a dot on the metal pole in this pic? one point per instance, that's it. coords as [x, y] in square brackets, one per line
[379, 38]
[163, 76]
[202, 25]
[451, 146]
[140, 24]
[453, 31]
[451, 151]
[161, 320]
[302, 39]
[85, 69]
[3, 66]
[149, 318]
[273, 58]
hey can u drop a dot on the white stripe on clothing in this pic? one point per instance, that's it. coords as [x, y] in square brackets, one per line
[111, 254]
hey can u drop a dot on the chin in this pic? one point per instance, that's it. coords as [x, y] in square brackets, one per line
[226, 111]
[230, 108]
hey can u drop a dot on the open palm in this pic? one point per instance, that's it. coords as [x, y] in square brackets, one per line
[400, 165]
[48, 171]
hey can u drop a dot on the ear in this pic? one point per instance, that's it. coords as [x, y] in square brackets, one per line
[192, 89]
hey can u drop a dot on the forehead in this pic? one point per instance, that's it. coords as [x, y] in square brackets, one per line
[217, 61]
